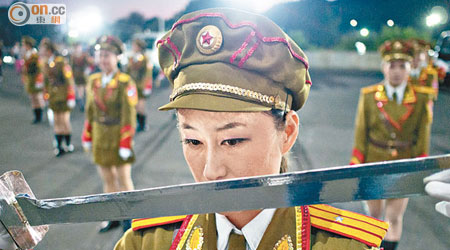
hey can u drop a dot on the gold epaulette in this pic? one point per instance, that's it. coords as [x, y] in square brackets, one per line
[430, 69]
[372, 88]
[124, 77]
[356, 226]
[138, 224]
[59, 59]
[424, 89]
[95, 76]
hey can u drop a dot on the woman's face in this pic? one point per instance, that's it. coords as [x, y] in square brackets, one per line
[396, 71]
[224, 145]
[107, 61]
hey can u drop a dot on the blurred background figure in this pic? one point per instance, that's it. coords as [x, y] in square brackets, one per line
[80, 62]
[59, 87]
[33, 77]
[423, 72]
[393, 122]
[111, 98]
[16, 53]
[140, 69]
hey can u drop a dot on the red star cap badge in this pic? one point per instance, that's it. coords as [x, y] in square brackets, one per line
[206, 38]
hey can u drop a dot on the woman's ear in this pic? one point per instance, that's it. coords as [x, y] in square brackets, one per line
[290, 131]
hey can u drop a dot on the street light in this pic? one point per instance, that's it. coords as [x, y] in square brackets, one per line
[364, 32]
[85, 22]
[360, 48]
[437, 16]
[390, 22]
[353, 23]
[433, 19]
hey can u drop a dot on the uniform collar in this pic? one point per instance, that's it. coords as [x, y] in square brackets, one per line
[107, 78]
[253, 231]
[399, 90]
[51, 59]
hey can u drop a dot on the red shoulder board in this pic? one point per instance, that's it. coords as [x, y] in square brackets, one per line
[365, 229]
[138, 224]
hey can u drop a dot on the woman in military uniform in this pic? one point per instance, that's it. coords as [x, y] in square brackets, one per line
[111, 97]
[393, 122]
[59, 87]
[238, 81]
[140, 69]
[80, 62]
[33, 78]
[423, 72]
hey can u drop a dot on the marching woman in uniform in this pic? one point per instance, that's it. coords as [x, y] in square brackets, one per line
[238, 81]
[59, 86]
[33, 77]
[80, 62]
[423, 72]
[393, 122]
[111, 98]
[140, 69]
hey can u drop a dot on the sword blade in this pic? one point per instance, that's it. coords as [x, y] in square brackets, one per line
[382, 180]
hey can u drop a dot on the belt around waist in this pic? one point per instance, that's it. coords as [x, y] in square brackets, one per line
[108, 120]
[390, 144]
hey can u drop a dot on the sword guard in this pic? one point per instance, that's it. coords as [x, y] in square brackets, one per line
[25, 236]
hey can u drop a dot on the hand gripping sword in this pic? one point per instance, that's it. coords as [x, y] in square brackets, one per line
[25, 217]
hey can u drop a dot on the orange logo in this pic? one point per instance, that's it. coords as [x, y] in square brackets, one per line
[21, 13]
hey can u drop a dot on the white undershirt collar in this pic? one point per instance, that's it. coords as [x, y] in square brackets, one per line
[399, 90]
[253, 231]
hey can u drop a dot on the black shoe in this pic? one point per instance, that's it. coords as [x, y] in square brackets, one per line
[59, 152]
[105, 226]
[126, 224]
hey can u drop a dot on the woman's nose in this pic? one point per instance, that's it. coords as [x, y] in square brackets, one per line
[215, 168]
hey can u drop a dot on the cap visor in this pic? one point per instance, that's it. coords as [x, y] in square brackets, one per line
[210, 102]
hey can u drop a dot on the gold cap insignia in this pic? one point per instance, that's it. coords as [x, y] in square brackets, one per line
[209, 40]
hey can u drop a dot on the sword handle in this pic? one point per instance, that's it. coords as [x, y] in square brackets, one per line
[12, 217]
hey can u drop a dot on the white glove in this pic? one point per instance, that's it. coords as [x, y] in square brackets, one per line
[147, 92]
[71, 103]
[438, 186]
[86, 146]
[6, 243]
[124, 153]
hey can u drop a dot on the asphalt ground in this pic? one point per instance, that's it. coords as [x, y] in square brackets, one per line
[325, 140]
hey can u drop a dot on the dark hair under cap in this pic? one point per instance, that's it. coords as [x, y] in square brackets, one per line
[140, 43]
[28, 40]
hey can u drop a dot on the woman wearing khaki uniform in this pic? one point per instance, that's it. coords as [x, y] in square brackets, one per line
[393, 122]
[140, 69]
[33, 78]
[59, 87]
[238, 81]
[111, 97]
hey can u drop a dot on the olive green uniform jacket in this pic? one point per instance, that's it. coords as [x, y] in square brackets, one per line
[140, 69]
[32, 75]
[428, 77]
[385, 130]
[317, 227]
[59, 84]
[110, 118]
[79, 65]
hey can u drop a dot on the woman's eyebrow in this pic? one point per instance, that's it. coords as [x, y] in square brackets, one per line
[187, 126]
[231, 125]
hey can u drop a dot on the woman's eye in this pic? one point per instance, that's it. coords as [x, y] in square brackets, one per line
[192, 142]
[233, 142]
